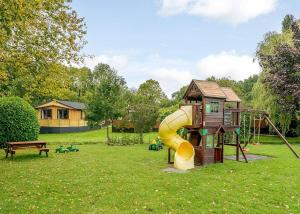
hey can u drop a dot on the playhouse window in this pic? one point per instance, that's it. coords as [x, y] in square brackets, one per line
[213, 107]
[46, 114]
[209, 141]
[63, 114]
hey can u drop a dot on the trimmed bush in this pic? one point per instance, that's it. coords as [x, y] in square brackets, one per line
[18, 121]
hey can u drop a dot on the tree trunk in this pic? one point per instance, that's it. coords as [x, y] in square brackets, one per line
[141, 137]
[107, 131]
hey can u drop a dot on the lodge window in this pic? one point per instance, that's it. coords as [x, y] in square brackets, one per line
[63, 114]
[46, 114]
[213, 107]
[81, 115]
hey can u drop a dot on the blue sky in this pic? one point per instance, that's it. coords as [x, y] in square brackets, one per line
[174, 41]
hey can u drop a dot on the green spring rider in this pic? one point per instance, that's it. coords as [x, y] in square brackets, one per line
[156, 144]
[61, 149]
[72, 148]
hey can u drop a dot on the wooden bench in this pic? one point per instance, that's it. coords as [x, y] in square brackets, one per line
[13, 146]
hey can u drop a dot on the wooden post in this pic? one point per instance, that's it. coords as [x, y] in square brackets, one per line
[254, 119]
[169, 157]
[237, 136]
[281, 136]
[203, 111]
[258, 133]
[218, 140]
[245, 158]
[222, 159]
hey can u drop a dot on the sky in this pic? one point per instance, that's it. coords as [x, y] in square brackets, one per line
[175, 41]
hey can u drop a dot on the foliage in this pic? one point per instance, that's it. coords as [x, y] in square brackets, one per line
[246, 87]
[18, 121]
[241, 88]
[145, 104]
[105, 100]
[279, 56]
[177, 96]
[36, 38]
[151, 92]
[263, 99]
[124, 140]
[245, 125]
[89, 137]
[164, 112]
[52, 83]
[81, 82]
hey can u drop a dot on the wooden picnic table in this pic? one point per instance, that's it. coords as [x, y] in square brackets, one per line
[41, 146]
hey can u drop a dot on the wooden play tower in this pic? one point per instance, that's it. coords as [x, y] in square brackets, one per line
[216, 115]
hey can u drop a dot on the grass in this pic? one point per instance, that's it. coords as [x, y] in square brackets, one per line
[114, 179]
[88, 137]
[99, 136]
[274, 139]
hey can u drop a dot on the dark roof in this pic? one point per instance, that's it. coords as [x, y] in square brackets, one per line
[75, 105]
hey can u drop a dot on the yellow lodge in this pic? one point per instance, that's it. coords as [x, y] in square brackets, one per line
[60, 116]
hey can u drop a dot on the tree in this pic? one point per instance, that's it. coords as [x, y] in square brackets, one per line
[106, 100]
[177, 96]
[146, 104]
[152, 92]
[281, 69]
[246, 88]
[44, 86]
[81, 79]
[35, 37]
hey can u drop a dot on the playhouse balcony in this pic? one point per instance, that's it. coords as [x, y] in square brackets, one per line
[231, 117]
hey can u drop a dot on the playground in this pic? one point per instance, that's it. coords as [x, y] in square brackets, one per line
[162, 106]
[96, 180]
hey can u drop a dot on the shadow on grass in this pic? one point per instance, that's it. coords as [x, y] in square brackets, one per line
[23, 157]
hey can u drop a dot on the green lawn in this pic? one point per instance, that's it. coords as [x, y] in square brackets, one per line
[277, 140]
[114, 179]
[89, 137]
[99, 136]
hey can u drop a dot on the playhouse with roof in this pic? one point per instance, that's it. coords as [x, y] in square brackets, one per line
[215, 111]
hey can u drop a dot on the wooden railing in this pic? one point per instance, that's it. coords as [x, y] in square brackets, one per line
[230, 117]
[62, 123]
[197, 115]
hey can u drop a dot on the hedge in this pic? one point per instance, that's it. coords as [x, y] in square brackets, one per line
[18, 121]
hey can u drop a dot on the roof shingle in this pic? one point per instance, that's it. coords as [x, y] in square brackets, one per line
[210, 89]
[230, 95]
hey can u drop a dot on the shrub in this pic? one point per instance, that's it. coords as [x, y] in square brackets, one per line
[124, 140]
[18, 121]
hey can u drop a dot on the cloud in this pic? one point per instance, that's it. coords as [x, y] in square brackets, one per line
[115, 61]
[231, 11]
[173, 73]
[228, 64]
[171, 79]
[173, 7]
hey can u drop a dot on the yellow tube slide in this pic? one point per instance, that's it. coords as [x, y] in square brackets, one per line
[184, 150]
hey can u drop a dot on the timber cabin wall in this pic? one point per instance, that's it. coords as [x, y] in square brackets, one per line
[213, 119]
[76, 118]
[74, 114]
